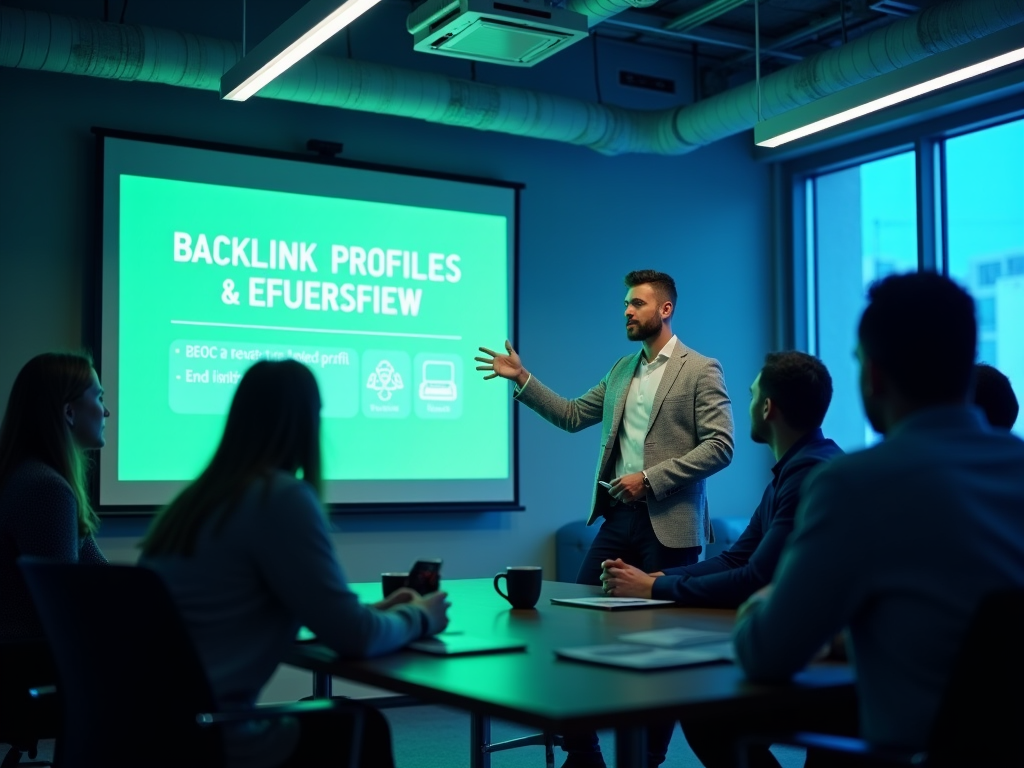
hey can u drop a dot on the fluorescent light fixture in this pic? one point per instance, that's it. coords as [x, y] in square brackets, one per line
[311, 26]
[999, 49]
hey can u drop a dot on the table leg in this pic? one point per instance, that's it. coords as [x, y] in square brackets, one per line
[321, 685]
[631, 747]
[479, 737]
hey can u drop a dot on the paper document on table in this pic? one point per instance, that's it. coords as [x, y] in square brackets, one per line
[610, 603]
[676, 637]
[636, 656]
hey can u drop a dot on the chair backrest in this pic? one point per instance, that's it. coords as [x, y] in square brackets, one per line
[24, 720]
[983, 706]
[572, 541]
[128, 674]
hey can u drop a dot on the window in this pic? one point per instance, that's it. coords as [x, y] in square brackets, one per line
[985, 222]
[863, 223]
[865, 227]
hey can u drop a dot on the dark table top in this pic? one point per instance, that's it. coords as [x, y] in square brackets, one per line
[536, 688]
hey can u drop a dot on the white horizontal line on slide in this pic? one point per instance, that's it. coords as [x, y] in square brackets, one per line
[319, 330]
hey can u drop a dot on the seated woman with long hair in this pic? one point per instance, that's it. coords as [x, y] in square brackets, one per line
[246, 555]
[55, 413]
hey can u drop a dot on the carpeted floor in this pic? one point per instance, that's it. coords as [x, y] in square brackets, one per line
[437, 737]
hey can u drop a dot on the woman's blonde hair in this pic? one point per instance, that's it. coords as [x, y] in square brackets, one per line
[34, 426]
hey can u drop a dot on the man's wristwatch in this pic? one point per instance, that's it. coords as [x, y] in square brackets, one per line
[647, 482]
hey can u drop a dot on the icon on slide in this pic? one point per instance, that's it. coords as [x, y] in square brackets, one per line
[384, 380]
[438, 381]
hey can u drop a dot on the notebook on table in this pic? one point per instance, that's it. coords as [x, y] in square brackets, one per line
[641, 657]
[446, 644]
[610, 603]
[458, 644]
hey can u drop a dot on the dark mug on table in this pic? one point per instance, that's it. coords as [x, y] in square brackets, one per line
[391, 581]
[523, 584]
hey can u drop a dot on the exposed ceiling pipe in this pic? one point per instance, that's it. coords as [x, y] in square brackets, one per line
[702, 15]
[414, 25]
[40, 41]
[812, 29]
[599, 10]
[642, 24]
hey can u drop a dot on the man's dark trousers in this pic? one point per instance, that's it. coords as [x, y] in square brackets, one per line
[627, 533]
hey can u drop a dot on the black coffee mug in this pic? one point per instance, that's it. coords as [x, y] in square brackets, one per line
[392, 581]
[523, 584]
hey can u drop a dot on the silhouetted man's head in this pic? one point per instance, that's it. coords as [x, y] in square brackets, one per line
[917, 341]
[795, 383]
[994, 395]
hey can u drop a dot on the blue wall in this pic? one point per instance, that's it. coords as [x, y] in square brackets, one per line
[586, 221]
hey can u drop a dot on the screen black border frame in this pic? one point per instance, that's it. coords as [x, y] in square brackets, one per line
[93, 303]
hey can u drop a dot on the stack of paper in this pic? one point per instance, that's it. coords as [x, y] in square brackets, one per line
[657, 649]
[676, 637]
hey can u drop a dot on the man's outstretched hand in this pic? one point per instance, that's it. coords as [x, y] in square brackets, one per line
[507, 366]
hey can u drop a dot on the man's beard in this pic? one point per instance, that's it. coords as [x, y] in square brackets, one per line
[644, 331]
[758, 432]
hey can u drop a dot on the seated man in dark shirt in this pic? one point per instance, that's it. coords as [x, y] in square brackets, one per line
[788, 402]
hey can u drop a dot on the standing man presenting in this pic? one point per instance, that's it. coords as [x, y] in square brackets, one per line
[666, 426]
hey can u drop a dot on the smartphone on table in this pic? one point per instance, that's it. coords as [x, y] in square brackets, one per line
[425, 576]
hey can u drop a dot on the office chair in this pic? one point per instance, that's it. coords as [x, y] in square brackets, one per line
[133, 690]
[981, 710]
[24, 720]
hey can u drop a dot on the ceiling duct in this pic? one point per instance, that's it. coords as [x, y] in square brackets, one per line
[597, 11]
[40, 41]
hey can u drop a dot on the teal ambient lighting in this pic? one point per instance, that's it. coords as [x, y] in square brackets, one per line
[986, 54]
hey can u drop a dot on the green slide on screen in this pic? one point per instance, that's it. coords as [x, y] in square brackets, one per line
[385, 303]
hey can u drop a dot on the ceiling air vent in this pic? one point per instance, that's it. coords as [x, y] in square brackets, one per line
[515, 32]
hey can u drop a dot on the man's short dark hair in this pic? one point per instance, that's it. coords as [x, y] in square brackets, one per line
[920, 329]
[800, 385]
[663, 284]
[993, 393]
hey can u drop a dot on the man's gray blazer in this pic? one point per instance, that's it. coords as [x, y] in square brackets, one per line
[689, 438]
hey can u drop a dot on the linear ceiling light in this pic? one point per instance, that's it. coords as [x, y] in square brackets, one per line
[701, 16]
[999, 49]
[311, 26]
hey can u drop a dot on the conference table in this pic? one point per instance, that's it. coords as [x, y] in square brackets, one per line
[539, 690]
